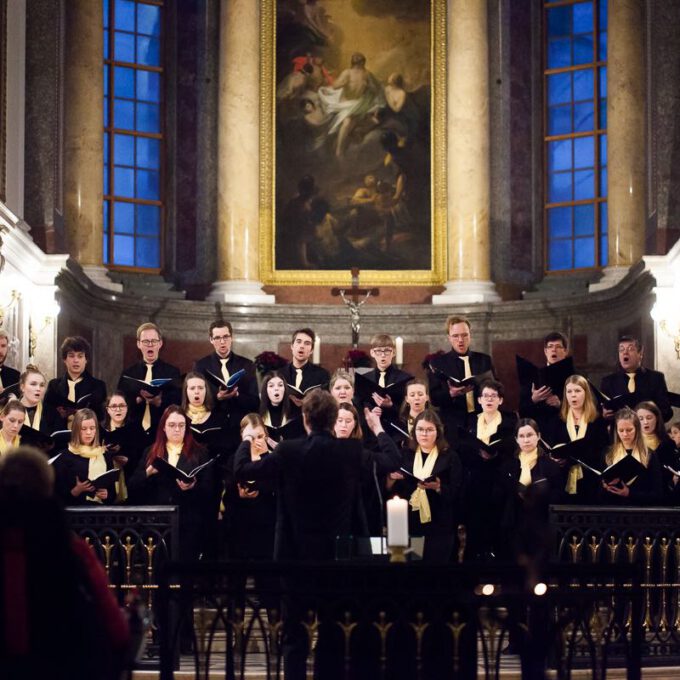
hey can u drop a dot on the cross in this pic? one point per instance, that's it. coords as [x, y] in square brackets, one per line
[351, 298]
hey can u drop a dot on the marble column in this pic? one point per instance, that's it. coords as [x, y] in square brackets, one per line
[469, 266]
[83, 136]
[625, 139]
[238, 153]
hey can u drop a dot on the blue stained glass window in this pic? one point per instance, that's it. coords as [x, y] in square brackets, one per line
[148, 118]
[559, 52]
[602, 51]
[133, 138]
[148, 51]
[124, 47]
[124, 182]
[559, 222]
[559, 155]
[584, 185]
[583, 85]
[560, 187]
[584, 252]
[125, 15]
[584, 116]
[148, 219]
[604, 251]
[148, 153]
[124, 250]
[148, 19]
[124, 217]
[603, 82]
[559, 21]
[148, 86]
[559, 255]
[584, 219]
[559, 120]
[584, 152]
[123, 150]
[583, 17]
[559, 88]
[583, 49]
[147, 184]
[575, 87]
[124, 82]
[147, 253]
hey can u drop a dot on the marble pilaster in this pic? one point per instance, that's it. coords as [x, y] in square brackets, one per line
[238, 151]
[625, 138]
[468, 156]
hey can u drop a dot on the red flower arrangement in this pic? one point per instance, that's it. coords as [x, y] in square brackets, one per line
[269, 361]
[357, 358]
[427, 361]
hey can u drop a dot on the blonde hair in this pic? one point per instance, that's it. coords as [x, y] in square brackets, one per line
[589, 406]
[149, 326]
[78, 419]
[639, 446]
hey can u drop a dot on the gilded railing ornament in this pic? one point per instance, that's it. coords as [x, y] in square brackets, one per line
[456, 628]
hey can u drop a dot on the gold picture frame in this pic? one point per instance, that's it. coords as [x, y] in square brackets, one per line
[436, 274]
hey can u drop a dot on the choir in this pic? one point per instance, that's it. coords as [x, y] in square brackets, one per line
[304, 460]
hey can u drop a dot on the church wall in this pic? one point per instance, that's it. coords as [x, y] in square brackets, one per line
[43, 177]
[663, 68]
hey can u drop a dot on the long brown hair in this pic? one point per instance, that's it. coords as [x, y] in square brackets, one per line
[78, 419]
[190, 449]
[207, 402]
[357, 432]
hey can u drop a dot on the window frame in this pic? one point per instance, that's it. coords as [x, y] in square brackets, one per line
[596, 133]
[110, 131]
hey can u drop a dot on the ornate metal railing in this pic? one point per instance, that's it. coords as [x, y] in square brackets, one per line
[646, 537]
[133, 543]
[397, 621]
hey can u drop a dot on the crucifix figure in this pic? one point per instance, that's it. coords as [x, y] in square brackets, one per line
[351, 298]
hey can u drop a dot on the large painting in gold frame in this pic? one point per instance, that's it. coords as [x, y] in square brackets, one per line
[352, 141]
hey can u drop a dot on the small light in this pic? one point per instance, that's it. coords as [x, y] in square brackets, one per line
[540, 589]
[487, 589]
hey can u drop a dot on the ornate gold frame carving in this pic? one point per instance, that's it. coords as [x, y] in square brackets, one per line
[437, 272]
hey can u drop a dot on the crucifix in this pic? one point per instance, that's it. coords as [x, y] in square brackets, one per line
[351, 298]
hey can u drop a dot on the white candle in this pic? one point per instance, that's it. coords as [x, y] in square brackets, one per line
[397, 522]
[316, 357]
[400, 349]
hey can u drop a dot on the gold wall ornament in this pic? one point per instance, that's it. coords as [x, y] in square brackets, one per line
[128, 548]
[435, 273]
[575, 547]
[419, 628]
[594, 546]
[107, 547]
[648, 547]
[382, 625]
[347, 627]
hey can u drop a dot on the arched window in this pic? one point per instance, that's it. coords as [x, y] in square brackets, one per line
[575, 134]
[133, 133]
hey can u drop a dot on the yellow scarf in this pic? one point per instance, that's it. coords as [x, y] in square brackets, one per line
[197, 414]
[651, 441]
[527, 461]
[422, 470]
[5, 446]
[96, 462]
[267, 420]
[575, 471]
[35, 424]
[620, 452]
[486, 430]
[174, 452]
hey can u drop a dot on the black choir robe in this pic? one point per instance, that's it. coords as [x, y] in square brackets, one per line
[131, 440]
[647, 489]
[68, 468]
[318, 488]
[480, 511]
[57, 392]
[312, 374]
[196, 506]
[392, 375]
[453, 410]
[50, 420]
[649, 386]
[440, 532]
[9, 376]
[232, 410]
[170, 395]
